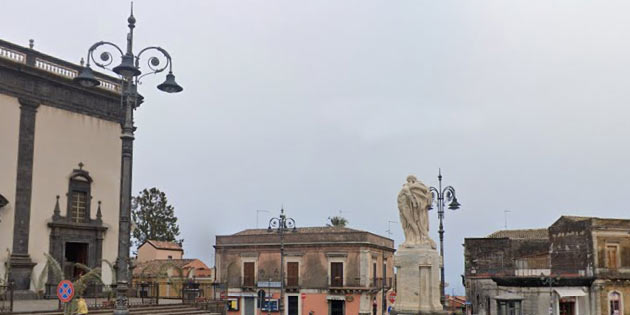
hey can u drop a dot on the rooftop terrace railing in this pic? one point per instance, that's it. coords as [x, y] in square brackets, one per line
[58, 67]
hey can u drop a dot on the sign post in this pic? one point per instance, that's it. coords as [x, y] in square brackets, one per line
[65, 292]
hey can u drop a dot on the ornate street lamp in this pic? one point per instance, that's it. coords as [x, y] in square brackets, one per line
[549, 280]
[440, 197]
[281, 225]
[130, 74]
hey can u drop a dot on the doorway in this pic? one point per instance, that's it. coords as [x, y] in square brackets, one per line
[75, 253]
[337, 307]
[567, 307]
[249, 306]
[293, 305]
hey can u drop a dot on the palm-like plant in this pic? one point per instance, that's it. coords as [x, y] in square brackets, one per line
[109, 287]
[337, 221]
[39, 282]
[4, 280]
[54, 266]
[80, 285]
[164, 271]
[112, 269]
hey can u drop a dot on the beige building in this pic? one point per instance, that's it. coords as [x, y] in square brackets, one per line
[151, 250]
[161, 263]
[327, 270]
[59, 167]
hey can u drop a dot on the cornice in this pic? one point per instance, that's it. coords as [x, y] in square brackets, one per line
[33, 87]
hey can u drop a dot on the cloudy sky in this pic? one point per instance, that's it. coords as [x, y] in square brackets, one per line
[326, 106]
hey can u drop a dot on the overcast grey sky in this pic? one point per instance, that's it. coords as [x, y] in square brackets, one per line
[324, 106]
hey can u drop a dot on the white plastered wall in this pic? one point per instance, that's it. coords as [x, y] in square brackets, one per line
[63, 139]
[9, 134]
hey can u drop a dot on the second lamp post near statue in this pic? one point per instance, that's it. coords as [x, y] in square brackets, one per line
[281, 225]
[440, 197]
[130, 73]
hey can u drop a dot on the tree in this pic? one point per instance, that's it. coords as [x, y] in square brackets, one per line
[337, 221]
[154, 218]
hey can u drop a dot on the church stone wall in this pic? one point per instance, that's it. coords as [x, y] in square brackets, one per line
[64, 139]
[9, 121]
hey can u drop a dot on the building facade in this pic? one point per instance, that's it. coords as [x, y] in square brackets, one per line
[59, 167]
[327, 270]
[162, 264]
[151, 250]
[579, 265]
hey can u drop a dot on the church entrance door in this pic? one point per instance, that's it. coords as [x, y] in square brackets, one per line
[75, 253]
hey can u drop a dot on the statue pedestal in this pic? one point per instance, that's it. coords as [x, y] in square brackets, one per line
[418, 281]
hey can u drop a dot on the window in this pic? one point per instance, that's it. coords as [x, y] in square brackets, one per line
[374, 279]
[385, 273]
[614, 299]
[232, 304]
[248, 274]
[293, 269]
[79, 196]
[170, 257]
[509, 307]
[78, 206]
[336, 274]
[612, 256]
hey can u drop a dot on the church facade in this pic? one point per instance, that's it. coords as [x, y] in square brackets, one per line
[60, 167]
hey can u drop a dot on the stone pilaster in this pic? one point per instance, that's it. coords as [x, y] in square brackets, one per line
[21, 264]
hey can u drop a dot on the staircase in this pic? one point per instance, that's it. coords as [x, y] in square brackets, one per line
[165, 309]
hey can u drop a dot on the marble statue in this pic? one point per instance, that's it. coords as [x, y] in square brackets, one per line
[414, 201]
[417, 261]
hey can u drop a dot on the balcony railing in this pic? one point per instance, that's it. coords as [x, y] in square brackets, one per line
[58, 67]
[249, 281]
[293, 282]
[379, 283]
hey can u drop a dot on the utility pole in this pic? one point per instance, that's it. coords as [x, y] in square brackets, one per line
[257, 213]
[389, 228]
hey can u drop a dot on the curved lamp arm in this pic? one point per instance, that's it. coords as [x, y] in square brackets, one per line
[274, 223]
[449, 193]
[435, 194]
[154, 62]
[106, 57]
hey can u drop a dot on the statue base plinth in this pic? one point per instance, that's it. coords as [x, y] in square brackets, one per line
[418, 281]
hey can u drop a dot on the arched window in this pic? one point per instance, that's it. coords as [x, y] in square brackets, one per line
[614, 301]
[79, 196]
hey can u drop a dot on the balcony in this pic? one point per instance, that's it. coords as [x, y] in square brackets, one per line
[381, 283]
[293, 282]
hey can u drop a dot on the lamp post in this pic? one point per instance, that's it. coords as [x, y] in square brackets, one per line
[130, 75]
[549, 281]
[440, 197]
[281, 225]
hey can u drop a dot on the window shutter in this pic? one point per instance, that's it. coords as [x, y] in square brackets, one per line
[248, 277]
[292, 274]
[336, 273]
